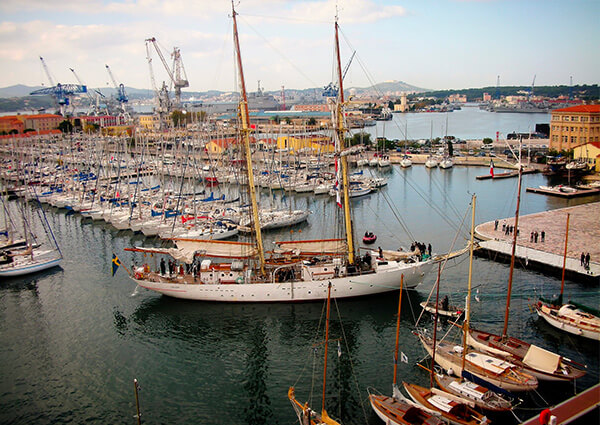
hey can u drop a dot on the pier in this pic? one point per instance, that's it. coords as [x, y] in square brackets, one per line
[547, 255]
[574, 408]
[564, 194]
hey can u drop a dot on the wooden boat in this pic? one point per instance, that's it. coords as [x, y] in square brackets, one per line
[570, 318]
[449, 311]
[573, 318]
[452, 408]
[393, 411]
[482, 397]
[543, 364]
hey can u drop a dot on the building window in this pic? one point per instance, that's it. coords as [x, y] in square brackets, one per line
[573, 139]
[574, 118]
[566, 118]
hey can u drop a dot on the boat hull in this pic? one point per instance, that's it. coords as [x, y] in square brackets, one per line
[385, 280]
[25, 269]
[563, 325]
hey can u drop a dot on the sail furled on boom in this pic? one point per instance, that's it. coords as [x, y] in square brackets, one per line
[315, 247]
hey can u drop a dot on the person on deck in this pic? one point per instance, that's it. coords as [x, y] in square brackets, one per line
[163, 266]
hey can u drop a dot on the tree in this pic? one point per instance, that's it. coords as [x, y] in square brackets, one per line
[288, 120]
[66, 126]
[360, 138]
[450, 148]
[276, 119]
[487, 141]
[312, 121]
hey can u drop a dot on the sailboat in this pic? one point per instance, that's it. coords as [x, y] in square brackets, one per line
[305, 414]
[571, 317]
[395, 410]
[475, 365]
[543, 364]
[447, 161]
[480, 397]
[296, 270]
[31, 256]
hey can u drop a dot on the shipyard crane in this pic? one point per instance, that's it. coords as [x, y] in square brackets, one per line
[60, 92]
[121, 95]
[571, 88]
[531, 90]
[94, 99]
[175, 72]
[331, 89]
[162, 101]
[498, 88]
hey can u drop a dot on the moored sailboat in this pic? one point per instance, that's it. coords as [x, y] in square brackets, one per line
[300, 270]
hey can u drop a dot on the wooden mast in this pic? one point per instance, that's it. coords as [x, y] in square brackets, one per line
[344, 160]
[326, 344]
[468, 304]
[397, 331]
[245, 117]
[514, 247]
[562, 281]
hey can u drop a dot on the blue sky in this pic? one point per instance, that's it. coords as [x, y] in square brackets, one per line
[430, 44]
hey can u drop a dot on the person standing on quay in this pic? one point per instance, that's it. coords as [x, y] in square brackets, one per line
[535, 236]
[582, 259]
[531, 237]
[587, 260]
[495, 225]
[543, 236]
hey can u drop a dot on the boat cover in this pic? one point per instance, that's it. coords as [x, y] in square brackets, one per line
[315, 247]
[540, 359]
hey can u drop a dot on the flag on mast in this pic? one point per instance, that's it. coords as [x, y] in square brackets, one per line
[115, 264]
[492, 167]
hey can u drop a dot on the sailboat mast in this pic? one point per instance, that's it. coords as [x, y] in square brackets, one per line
[512, 257]
[398, 331]
[562, 281]
[468, 306]
[326, 344]
[340, 131]
[246, 136]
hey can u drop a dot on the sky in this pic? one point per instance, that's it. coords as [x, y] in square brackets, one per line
[432, 44]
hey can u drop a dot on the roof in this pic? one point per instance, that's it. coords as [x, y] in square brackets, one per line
[580, 108]
[594, 144]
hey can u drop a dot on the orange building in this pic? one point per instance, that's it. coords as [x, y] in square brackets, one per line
[11, 123]
[573, 126]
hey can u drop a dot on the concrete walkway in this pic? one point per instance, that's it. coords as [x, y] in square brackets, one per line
[584, 236]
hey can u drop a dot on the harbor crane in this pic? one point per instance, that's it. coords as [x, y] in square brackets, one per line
[531, 90]
[94, 98]
[121, 95]
[331, 89]
[61, 93]
[498, 88]
[162, 101]
[176, 73]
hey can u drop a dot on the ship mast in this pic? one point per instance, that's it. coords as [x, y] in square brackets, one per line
[245, 117]
[343, 158]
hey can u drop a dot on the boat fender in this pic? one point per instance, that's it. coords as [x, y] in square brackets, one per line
[450, 371]
[239, 280]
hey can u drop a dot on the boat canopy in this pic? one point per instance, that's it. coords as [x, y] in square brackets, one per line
[187, 249]
[315, 247]
[540, 359]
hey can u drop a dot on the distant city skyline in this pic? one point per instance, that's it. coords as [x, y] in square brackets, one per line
[434, 45]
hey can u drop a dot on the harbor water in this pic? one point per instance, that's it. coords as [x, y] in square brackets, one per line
[468, 123]
[72, 339]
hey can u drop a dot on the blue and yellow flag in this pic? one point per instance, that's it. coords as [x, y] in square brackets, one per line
[115, 264]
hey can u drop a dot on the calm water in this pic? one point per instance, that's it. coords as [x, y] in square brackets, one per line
[468, 123]
[72, 339]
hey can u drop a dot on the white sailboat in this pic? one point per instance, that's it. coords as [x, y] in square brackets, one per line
[299, 270]
[32, 256]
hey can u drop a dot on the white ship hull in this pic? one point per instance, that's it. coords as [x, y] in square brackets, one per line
[28, 267]
[386, 279]
[563, 325]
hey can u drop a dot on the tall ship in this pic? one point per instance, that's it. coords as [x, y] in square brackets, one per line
[302, 270]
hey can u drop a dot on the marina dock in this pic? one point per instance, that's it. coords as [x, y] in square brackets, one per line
[574, 408]
[547, 255]
[564, 194]
[506, 174]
